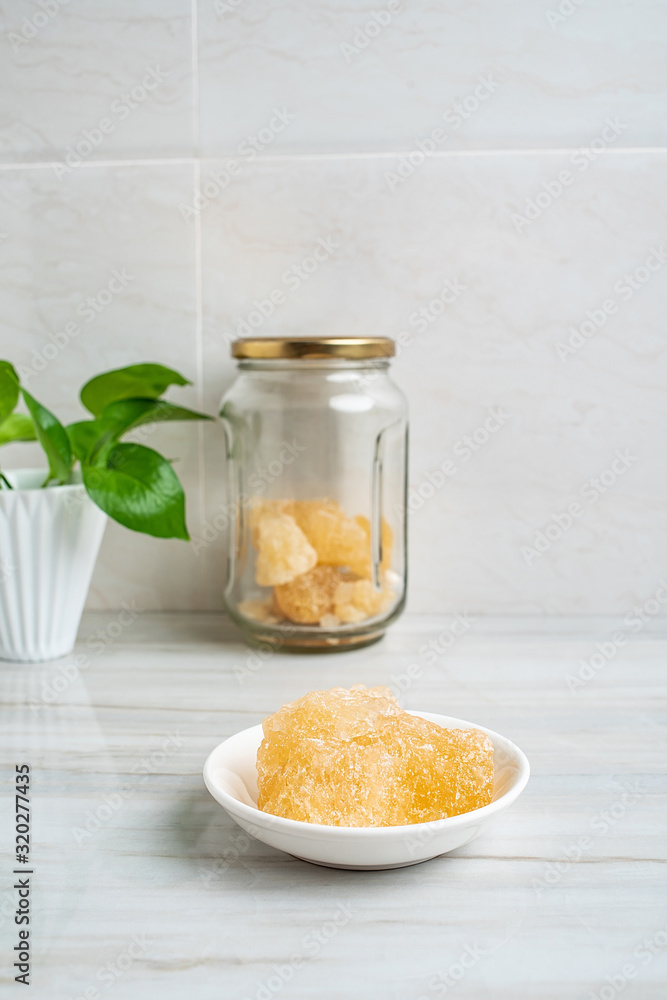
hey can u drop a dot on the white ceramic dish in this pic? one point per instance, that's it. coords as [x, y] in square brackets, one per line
[230, 775]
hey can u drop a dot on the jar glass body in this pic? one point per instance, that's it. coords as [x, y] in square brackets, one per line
[317, 477]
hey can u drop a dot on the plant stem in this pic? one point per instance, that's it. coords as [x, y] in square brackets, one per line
[6, 481]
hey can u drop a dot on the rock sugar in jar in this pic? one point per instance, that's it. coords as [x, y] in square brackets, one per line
[316, 437]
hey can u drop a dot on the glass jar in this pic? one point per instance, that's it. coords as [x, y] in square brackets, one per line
[316, 437]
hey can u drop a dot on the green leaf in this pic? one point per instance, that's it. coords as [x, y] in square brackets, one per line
[53, 438]
[17, 427]
[139, 489]
[145, 381]
[9, 389]
[131, 413]
[89, 436]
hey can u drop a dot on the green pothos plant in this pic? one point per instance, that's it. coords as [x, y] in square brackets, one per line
[130, 482]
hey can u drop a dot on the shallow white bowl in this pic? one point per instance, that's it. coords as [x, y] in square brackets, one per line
[230, 775]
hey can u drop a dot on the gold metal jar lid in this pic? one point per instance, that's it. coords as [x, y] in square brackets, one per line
[353, 348]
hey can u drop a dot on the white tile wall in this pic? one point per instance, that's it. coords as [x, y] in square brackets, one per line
[69, 65]
[354, 83]
[334, 136]
[64, 241]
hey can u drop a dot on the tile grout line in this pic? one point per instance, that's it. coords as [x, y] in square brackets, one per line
[195, 78]
[199, 339]
[324, 157]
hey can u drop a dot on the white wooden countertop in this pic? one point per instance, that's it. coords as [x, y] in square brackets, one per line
[144, 889]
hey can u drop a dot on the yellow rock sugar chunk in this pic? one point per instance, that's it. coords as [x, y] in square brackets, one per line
[283, 551]
[308, 597]
[261, 508]
[356, 600]
[337, 539]
[261, 611]
[329, 621]
[355, 758]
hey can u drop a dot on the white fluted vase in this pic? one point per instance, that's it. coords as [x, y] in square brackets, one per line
[49, 540]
